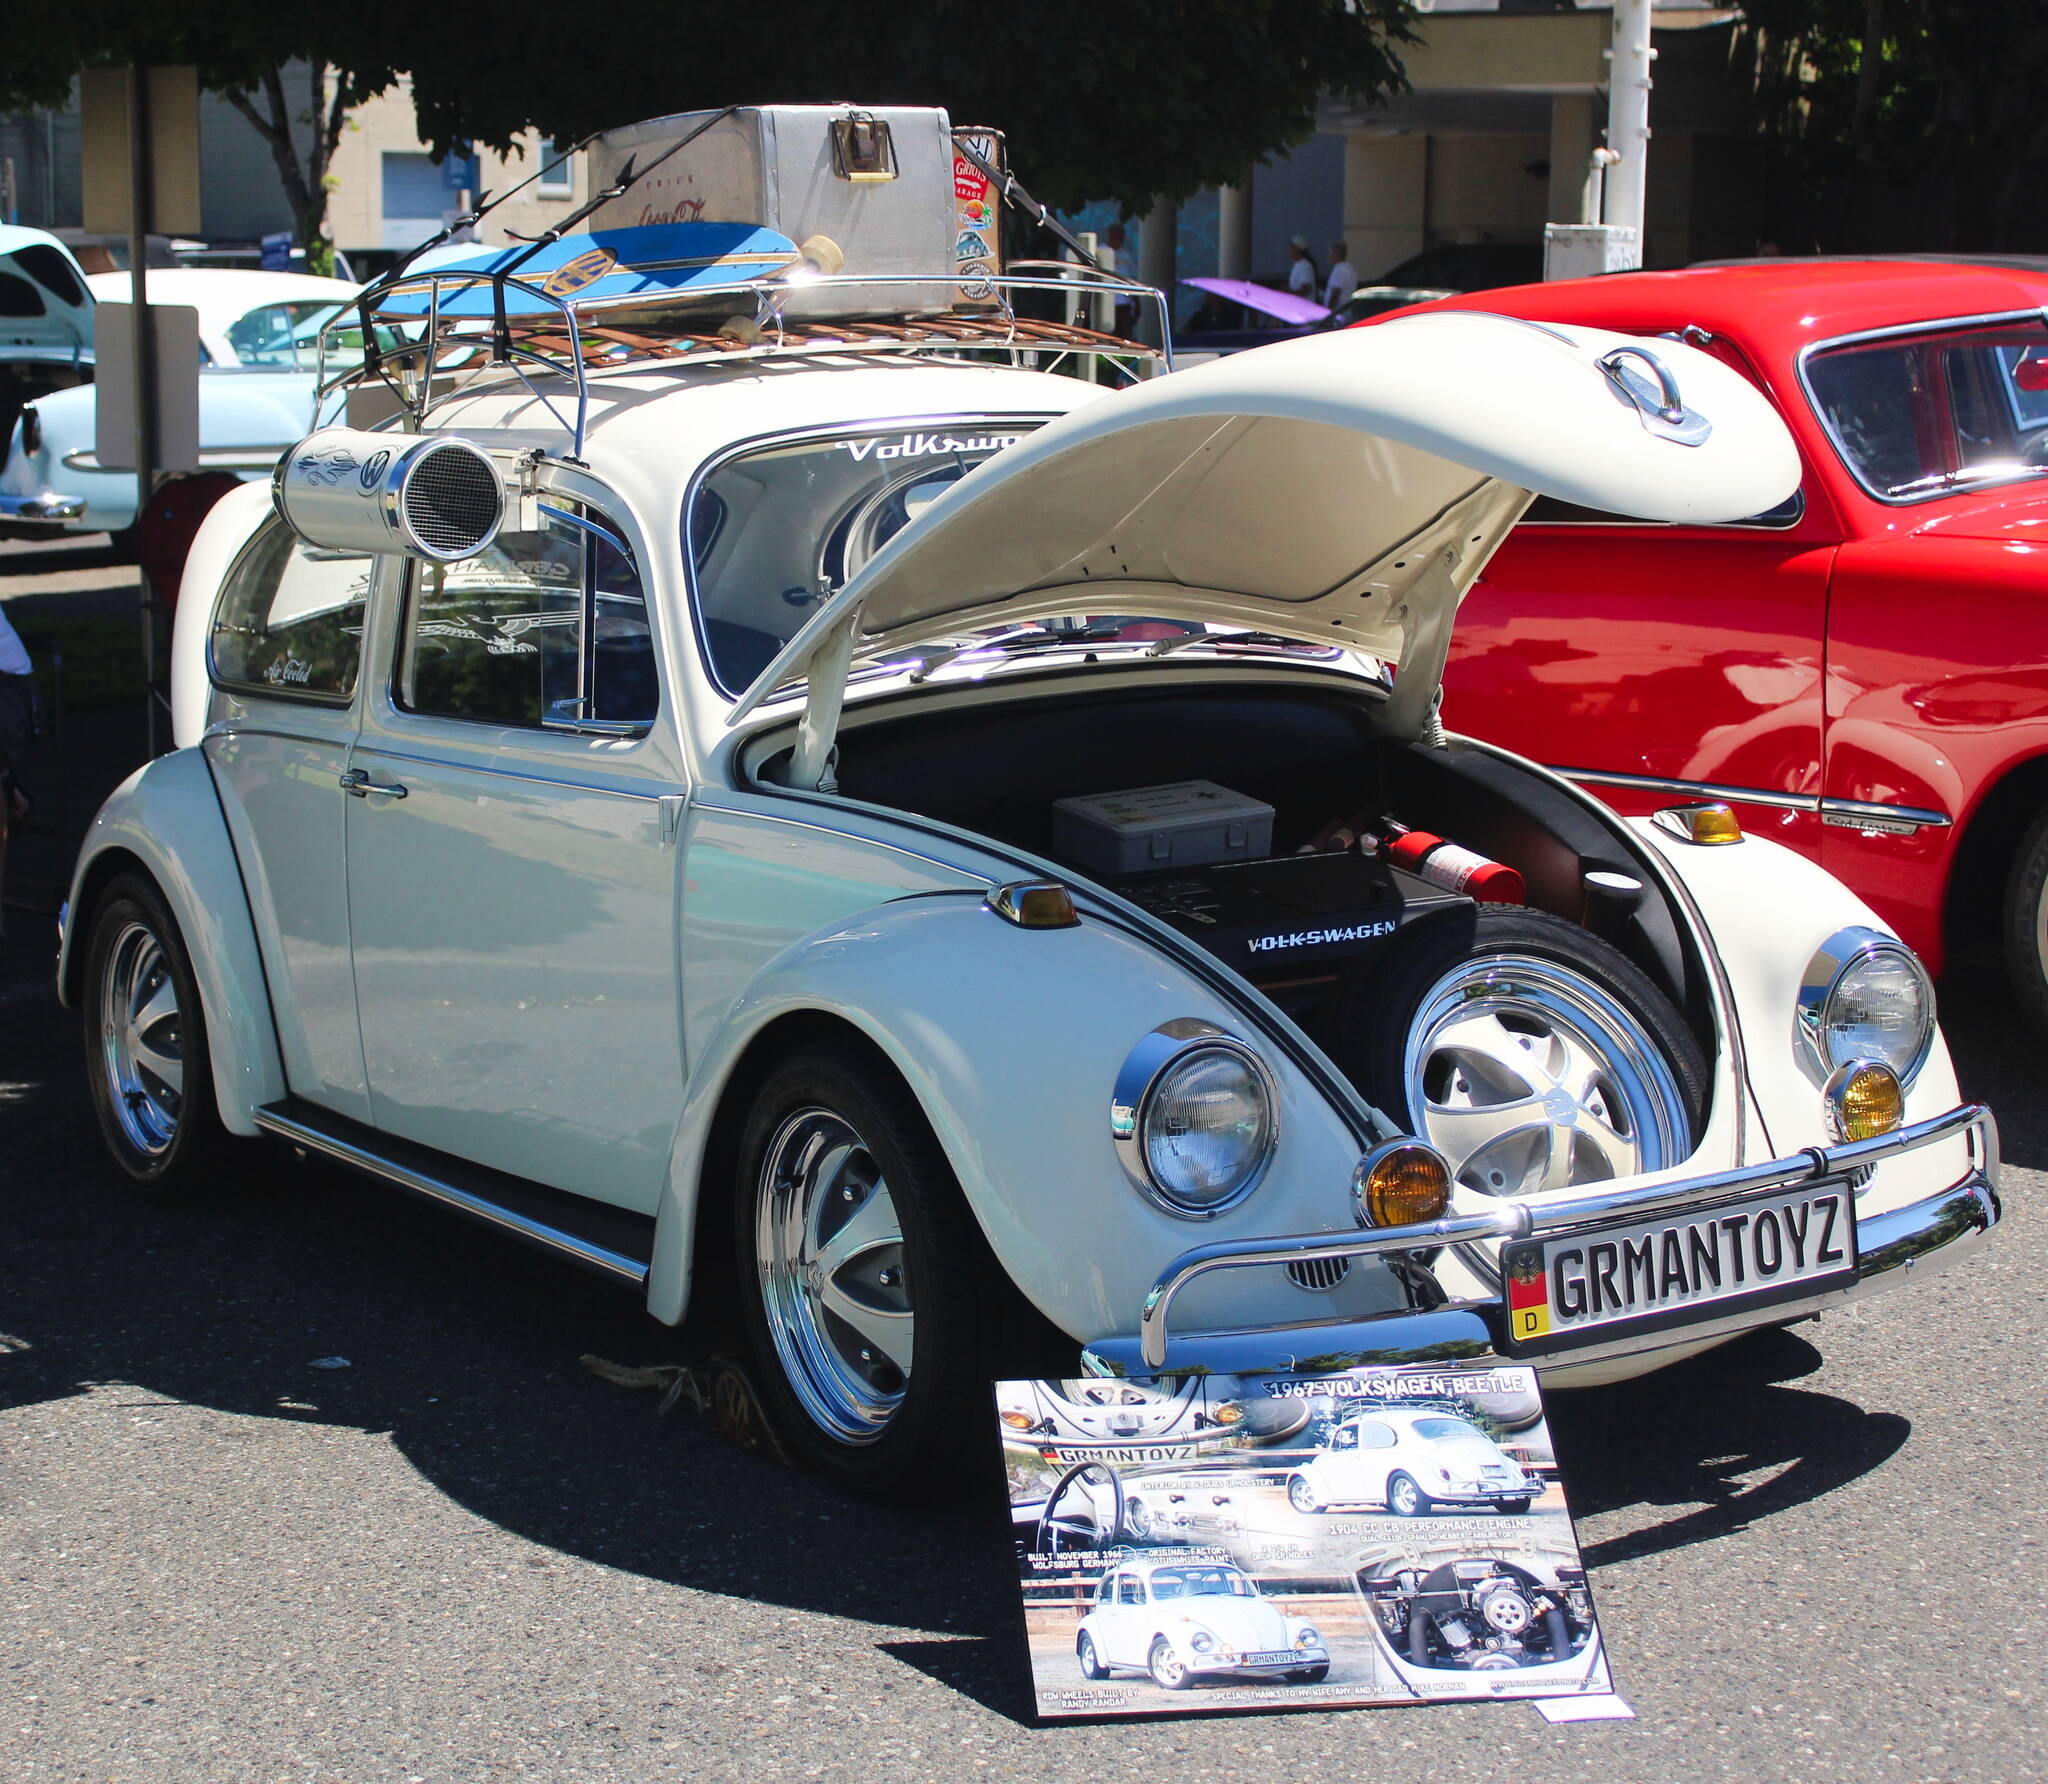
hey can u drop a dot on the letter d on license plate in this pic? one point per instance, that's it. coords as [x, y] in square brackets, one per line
[1676, 1270]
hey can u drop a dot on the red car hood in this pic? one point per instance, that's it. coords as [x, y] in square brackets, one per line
[2019, 516]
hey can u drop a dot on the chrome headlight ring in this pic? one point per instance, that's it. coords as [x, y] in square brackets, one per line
[1148, 1064]
[1832, 963]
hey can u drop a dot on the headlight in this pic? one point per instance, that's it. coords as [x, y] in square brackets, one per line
[1202, 1642]
[1864, 996]
[1193, 1118]
[1306, 1637]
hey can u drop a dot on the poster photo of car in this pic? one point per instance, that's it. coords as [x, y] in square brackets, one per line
[1348, 1538]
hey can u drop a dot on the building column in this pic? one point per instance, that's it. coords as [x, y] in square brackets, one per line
[1156, 256]
[1234, 229]
[1571, 152]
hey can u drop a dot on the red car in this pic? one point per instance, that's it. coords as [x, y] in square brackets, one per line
[1863, 674]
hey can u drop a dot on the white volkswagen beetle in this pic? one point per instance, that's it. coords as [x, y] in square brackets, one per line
[1182, 1620]
[1409, 1461]
[812, 825]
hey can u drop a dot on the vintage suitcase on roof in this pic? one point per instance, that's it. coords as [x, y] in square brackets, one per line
[885, 195]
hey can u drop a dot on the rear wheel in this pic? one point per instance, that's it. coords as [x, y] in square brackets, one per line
[1407, 1500]
[869, 1294]
[1533, 1055]
[2026, 924]
[146, 1059]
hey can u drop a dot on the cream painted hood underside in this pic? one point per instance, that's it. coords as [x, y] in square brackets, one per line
[1341, 489]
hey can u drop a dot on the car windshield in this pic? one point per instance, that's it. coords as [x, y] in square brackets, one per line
[1920, 415]
[1436, 1430]
[1200, 1582]
[280, 337]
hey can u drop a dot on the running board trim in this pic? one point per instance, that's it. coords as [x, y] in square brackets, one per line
[289, 1126]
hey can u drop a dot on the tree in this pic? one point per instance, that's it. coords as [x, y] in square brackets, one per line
[331, 94]
[1099, 102]
[1861, 94]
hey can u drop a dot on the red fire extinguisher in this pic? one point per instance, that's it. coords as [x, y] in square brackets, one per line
[1444, 863]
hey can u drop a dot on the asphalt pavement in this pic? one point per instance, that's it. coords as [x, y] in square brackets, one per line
[464, 1557]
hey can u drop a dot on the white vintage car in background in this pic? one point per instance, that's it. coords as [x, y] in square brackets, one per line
[629, 809]
[1410, 1461]
[1184, 1621]
[258, 333]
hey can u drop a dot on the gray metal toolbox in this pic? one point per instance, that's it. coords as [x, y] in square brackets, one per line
[776, 165]
[1181, 824]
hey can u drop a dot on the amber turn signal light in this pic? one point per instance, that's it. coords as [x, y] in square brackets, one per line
[1704, 824]
[1862, 1100]
[1034, 904]
[1403, 1183]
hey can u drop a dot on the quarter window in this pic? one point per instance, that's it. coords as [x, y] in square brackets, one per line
[1375, 1436]
[289, 622]
[547, 628]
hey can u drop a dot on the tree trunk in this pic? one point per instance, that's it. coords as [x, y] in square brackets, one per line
[305, 185]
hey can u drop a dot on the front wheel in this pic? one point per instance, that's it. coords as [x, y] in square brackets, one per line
[146, 1060]
[1407, 1500]
[869, 1294]
[1090, 1662]
[2026, 924]
[1169, 1671]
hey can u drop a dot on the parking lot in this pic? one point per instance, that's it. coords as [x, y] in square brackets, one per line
[463, 1556]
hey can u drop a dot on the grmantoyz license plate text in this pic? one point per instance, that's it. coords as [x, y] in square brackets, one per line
[1575, 1288]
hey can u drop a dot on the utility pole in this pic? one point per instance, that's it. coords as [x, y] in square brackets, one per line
[1628, 120]
[141, 192]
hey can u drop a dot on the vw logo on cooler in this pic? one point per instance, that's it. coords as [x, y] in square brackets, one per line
[373, 469]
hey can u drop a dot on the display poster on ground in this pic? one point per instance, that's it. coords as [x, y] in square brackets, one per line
[1367, 1536]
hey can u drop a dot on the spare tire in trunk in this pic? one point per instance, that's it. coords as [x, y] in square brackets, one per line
[1533, 1055]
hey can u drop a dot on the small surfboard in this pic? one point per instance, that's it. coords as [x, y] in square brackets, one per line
[607, 266]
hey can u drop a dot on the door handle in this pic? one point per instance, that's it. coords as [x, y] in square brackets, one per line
[357, 782]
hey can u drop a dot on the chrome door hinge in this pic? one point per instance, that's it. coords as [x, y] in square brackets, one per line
[672, 806]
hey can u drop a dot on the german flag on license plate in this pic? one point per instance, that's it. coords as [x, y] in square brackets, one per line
[1528, 1288]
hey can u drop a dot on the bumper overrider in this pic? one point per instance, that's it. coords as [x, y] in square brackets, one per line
[1889, 1247]
[48, 506]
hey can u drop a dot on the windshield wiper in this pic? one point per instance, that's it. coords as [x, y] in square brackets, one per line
[1996, 472]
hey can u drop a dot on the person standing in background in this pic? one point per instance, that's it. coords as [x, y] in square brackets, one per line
[1302, 278]
[1343, 281]
[17, 732]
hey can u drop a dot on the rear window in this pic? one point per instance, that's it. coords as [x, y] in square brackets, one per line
[1919, 415]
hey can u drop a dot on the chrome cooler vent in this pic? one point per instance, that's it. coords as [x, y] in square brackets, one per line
[451, 499]
[1319, 1274]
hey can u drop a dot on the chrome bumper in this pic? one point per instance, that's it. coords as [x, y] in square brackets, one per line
[1924, 1236]
[47, 506]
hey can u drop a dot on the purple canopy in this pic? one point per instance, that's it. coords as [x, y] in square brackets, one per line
[1282, 306]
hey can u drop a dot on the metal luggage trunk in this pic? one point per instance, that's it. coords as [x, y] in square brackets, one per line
[775, 165]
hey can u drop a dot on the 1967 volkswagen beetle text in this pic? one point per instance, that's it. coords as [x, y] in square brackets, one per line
[926, 858]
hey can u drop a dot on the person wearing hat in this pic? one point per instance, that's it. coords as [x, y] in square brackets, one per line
[1302, 278]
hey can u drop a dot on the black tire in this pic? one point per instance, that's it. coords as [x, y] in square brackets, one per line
[1385, 999]
[1302, 1496]
[930, 1430]
[1088, 1660]
[1414, 1503]
[2026, 924]
[1310, 1675]
[165, 1146]
[1513, 1507]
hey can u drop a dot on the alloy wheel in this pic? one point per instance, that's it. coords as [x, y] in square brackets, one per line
[142, 1040]
[833, 1280]
[1529, 1078]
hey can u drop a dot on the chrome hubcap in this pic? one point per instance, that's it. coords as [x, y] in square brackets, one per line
[833, 1284]
[1528, 1077]
[142, 1040]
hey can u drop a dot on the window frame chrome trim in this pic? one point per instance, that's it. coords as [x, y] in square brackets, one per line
[1802, 366]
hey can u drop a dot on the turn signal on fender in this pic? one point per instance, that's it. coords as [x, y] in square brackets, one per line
[1034, 904]
[1403, 1183]
[1862, 1100]
[1703, 824]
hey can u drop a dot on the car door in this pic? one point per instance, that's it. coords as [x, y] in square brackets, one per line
[284, 651]
[512, 868]
[1659, 661]
[1338, 1465]
[1131, 1629]
[1378, 1455]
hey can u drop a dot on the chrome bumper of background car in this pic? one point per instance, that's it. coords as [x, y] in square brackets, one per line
[1925, 1235]
[47, 506]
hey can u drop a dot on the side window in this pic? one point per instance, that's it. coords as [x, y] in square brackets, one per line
[1375, 1436]
[289, 620]
[548, 628]
[1345, 1439]
[1129, 1590]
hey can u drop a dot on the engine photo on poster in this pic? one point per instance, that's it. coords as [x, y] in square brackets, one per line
[1367, 1536]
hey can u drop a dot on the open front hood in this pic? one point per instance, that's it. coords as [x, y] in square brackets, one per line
[45, 308]
[1342, 489]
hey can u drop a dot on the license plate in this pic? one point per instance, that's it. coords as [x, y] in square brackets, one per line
[1283, 1658]
[1577, 1288]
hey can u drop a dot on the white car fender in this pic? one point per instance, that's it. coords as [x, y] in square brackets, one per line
[228, 526]
[166, 818]
[1768, 909]
[1011, 1040]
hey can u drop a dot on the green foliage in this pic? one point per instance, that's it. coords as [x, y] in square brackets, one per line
[1100, 102]
[1903, 92]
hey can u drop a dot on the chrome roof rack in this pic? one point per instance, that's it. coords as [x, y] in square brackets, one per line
[419, 363]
